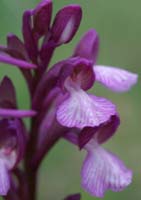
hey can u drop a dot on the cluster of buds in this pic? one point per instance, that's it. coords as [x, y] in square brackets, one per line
[61, 107]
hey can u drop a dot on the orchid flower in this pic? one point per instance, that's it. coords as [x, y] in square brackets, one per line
[102, 170]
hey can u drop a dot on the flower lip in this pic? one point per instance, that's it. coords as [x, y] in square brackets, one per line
[102, 171]
[82, 110]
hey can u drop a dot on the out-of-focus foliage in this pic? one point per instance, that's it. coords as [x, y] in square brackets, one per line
[118, 23]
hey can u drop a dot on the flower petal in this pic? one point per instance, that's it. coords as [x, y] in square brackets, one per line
[16, 48]
[118, 80]
[5, 58]
[88, 46]
[7, 94]
[103, 171]
[4, 179]
[66, 23]
[16, 113]
[81, 110]
[20, 131]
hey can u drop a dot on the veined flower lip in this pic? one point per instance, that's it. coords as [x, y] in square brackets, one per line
[102, 171]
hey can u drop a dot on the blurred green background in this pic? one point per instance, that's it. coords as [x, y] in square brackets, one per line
[119, 26]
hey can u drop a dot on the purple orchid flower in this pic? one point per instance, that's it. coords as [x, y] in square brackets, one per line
[12, 145]
[78, 74]
[12, 134]
[74, 112]
[102, 170]
[78, 109]
[95, 118]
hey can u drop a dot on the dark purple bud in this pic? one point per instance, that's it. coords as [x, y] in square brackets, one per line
[8, 101]
[7, 94]
[5, 58]
[16, 47]
[66, 24]
[88, 46]
[42, 17]
[30, 43]
[73, 197]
